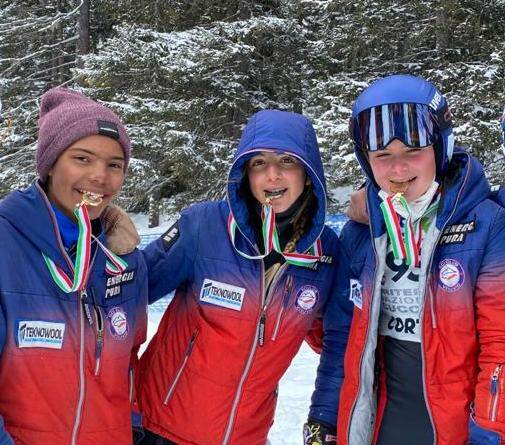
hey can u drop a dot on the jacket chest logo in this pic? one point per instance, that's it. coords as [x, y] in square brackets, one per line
[451, 275]
[114, 283]
[222, 294]
[118, 323]
[456, 234]
[39, 334]
[306, 299]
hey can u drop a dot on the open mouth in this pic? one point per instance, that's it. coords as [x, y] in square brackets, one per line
[274, 194]
[91, 198]
[400, 186]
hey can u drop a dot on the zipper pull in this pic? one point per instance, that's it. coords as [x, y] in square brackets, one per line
[261, 330]
[99, 344]
[191, 343]
[287, 290]
[494, 380]
[99, 338]
[84, 296]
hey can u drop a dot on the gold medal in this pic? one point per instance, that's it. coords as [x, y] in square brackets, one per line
[91, 199]
[398, 187]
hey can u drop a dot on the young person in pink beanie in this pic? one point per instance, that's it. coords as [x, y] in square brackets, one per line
[72, 312]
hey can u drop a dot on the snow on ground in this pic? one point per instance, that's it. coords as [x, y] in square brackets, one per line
[295, 387]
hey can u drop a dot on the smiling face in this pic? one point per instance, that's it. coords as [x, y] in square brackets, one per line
[94, 164]
[277, 176]
[400, 168]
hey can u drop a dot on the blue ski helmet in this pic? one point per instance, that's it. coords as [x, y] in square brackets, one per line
[402, 107]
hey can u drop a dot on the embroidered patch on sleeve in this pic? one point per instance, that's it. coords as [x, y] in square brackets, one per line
[171, 235]
[355, 294]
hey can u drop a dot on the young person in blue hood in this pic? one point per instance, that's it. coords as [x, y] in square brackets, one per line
[253, 277]
[72, 313]
[426, 346]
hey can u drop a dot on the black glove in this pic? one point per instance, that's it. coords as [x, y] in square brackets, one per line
[316, 433]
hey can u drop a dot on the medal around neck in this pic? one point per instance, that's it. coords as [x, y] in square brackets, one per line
[114, 264]
[271, 239]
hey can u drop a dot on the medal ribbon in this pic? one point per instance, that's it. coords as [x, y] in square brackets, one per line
[114, 264]
[406, 243]
[271, 241]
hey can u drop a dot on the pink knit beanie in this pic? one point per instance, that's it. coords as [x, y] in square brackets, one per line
[67, 116]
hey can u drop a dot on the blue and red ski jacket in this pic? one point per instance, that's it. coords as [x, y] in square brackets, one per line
[462, 279]
[210, 374]
[65, 362]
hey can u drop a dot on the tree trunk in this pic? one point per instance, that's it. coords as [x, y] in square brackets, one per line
[84, 35]
[58, 57]
[444, 25]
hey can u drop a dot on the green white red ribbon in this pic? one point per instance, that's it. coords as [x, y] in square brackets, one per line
[406, 243]
[271, 241]
[114, 264]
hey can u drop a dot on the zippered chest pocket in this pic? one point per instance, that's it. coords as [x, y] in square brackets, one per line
[180, 370]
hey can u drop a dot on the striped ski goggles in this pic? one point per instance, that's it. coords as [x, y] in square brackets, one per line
[374, 128]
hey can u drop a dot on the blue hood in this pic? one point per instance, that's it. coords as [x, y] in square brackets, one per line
[287, 132]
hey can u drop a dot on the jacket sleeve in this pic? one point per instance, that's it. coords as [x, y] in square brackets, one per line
[330, 372]
[5, 438]
[170, 258]
[489, 300]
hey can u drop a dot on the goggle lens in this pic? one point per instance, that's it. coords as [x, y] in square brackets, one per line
[373, 129]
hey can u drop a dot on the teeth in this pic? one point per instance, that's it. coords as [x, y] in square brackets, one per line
[90, 198]
[273, 194]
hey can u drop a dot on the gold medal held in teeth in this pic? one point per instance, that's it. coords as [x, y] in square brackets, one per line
[91, 199]
[398, 187]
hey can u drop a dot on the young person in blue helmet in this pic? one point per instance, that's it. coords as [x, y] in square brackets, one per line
[427, 341]
[73, 314]
[253, 276]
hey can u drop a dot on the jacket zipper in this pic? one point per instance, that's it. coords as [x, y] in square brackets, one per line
[495, 393]
[189, 349]
[258, 340]
[99, 332]
[83, 308]
[366, 337]
[288, 287]
[77, 422]
[432, 300]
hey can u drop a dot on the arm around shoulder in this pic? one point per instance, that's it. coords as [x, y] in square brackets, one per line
[336, 325]
[171, 257]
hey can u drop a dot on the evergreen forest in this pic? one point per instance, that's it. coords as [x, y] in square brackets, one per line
[185, 75]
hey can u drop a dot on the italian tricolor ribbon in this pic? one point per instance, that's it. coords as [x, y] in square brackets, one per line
[114, 264]
[271, 241]
[406, 243]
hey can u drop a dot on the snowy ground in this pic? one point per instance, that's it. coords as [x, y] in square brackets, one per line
[295, 387]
